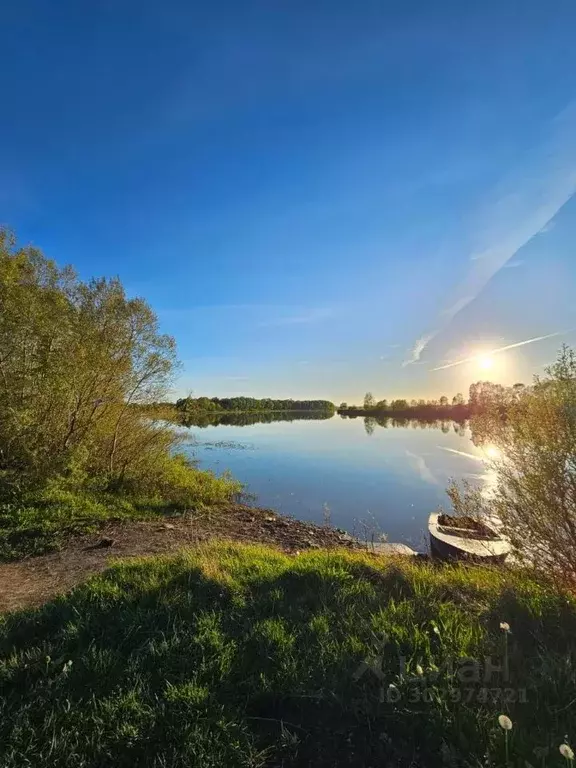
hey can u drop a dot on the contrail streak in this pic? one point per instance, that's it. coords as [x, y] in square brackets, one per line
[500, 349]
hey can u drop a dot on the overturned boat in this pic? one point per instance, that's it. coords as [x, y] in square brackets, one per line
[464, 538]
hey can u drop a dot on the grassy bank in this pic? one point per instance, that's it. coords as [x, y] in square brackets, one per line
[241, 656]
[43, 520]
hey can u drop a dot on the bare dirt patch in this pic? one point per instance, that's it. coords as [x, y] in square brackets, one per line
[30, 582]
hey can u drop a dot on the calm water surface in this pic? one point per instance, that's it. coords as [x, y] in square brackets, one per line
[390, 479]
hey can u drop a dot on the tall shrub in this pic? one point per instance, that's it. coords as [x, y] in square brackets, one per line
[534, 468]
[75, 359]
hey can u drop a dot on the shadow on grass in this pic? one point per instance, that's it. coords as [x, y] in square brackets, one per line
[172, 667]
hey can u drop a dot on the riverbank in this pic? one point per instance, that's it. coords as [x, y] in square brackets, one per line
[246, 656]
[31, 581]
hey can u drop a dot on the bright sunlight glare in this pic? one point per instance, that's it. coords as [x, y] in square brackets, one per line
[486, 362]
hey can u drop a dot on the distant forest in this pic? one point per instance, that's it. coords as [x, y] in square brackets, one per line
[208, 405]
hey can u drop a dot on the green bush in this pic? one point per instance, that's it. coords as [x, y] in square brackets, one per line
[43, 520]
[175, 482]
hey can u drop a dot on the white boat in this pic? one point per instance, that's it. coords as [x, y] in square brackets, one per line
[473, 541]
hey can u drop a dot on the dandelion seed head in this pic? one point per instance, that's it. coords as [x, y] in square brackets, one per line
[505, 722]
[504, 626]
[566, 751]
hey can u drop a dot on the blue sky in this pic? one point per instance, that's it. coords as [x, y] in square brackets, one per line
[317, 198]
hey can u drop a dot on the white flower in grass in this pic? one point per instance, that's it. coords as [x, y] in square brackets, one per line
[566, 751]
[392, 687]
[505, 722]
[504, 626]
[419, 670]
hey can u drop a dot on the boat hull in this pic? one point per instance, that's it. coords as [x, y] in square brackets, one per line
[447, 546]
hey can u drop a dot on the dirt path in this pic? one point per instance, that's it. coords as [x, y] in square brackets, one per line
[31, 582]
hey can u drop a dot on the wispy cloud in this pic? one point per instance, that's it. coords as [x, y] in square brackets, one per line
[419, 346]
[499, 350]
[522, 206]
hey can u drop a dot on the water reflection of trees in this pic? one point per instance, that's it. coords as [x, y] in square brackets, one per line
[371, 423]
[445, 425]
[246, 419]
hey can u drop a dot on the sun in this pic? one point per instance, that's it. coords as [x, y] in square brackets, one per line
[486, 363]
[492, 452]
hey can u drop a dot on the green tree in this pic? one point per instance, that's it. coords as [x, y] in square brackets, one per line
[485, 395]
[75, 360]
[369, 401]
[443, 401]
[458, 399]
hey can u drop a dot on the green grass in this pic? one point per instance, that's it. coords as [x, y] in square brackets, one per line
[44, 520]
[236, 655]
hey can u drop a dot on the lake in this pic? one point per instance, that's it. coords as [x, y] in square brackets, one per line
[359, 474]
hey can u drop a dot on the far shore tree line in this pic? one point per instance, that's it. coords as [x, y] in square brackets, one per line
[481, 395]
[192, 407]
